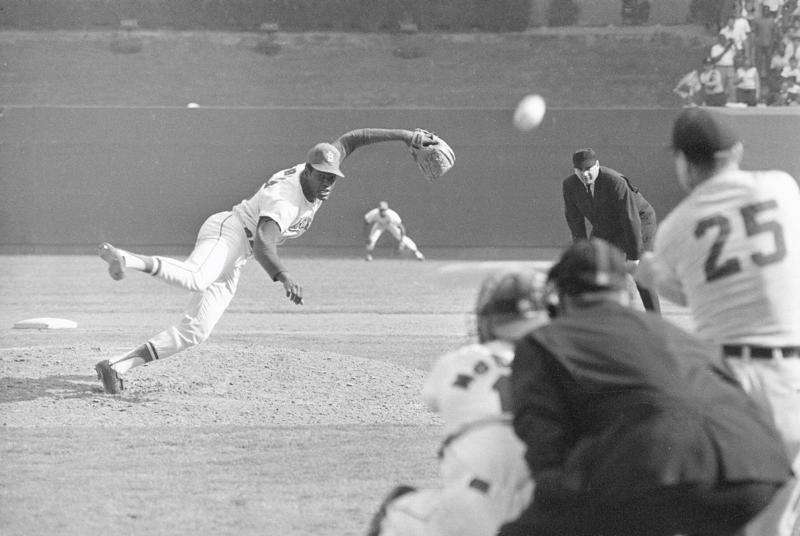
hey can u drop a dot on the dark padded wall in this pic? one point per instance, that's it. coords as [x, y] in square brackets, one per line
[150, 176]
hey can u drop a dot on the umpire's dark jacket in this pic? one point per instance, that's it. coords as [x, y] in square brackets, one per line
[618, 402]
[619, 213]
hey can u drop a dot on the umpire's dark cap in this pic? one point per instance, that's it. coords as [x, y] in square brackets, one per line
[700, 136]
[589, 266]
[584, 158]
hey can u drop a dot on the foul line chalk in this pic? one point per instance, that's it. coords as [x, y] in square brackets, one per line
[493, 265]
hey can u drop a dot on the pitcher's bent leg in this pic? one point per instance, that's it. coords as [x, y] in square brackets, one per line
[202, 314]
[218, 240]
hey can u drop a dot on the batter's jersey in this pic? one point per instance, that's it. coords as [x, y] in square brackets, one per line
[389, 218]
[732, 247]
[280, 198]
[470, 384]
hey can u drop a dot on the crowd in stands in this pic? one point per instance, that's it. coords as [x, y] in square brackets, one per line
[754, 62]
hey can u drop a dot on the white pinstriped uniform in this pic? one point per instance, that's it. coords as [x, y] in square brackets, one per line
[485, 477]
[282, 199]
[222, 248]
[732, 248]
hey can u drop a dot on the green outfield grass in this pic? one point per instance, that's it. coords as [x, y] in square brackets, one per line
[289, 420]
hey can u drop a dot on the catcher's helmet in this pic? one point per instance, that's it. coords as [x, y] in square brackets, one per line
[510, 304]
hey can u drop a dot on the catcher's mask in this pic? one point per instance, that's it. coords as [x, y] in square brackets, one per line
[510, 304]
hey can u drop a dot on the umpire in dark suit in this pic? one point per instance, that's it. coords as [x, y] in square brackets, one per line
[618, 212]
[632, 425]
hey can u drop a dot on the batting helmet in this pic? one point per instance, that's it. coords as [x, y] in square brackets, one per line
[510, 304]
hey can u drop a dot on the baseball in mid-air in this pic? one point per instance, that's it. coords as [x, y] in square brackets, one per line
[530, 112]
[192, 105]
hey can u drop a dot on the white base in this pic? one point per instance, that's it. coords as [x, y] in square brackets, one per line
[46, 323]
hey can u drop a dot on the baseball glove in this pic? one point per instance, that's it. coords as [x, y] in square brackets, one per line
[433, 155]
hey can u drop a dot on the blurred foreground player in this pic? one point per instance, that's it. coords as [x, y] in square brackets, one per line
[485, 479]
[730, 251]
[633, 426]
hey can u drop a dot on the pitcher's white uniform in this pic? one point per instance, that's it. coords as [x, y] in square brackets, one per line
[731, 248]
[279, 210]
[485, 476]
[388, 221]
[221, 250]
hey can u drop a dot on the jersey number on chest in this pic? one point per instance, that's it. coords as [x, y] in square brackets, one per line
[502, 385]
[716, 267]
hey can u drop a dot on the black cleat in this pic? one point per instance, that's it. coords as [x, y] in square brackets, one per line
[112, 383]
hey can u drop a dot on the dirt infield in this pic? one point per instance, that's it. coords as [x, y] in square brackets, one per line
[289, 420]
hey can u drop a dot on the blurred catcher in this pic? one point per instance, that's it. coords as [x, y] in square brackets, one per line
[484, 476]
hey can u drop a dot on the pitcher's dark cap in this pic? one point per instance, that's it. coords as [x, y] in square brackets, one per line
[326, 158]
[584, 158]
[589, 266]
[701, 136]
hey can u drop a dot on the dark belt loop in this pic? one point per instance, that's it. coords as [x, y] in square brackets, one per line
[745, 351]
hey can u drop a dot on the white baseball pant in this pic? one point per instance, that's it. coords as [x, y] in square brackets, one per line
[439, 512]
[212, 273]
[486, 483]
[394, 230]
[775, 386]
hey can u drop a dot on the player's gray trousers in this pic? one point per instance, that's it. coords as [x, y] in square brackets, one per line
[211, 272]
[775, 386]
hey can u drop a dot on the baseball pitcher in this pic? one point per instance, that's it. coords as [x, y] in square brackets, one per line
[381, 219]
[282, 208]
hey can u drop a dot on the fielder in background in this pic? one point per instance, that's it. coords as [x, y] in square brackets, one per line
[485, 479]
[381, 219]
[616, 210]
[633, 426]
[730, 251]
[282, 208]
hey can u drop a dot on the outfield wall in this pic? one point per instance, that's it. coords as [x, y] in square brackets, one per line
[317, 15]
[72, 177]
